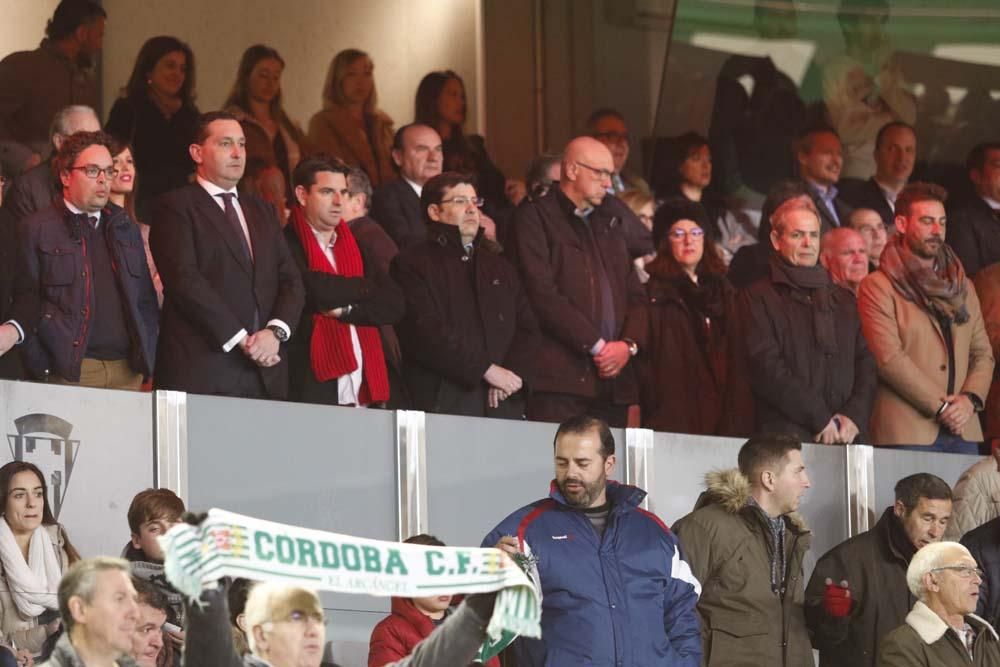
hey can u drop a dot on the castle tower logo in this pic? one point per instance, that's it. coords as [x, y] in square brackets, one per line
[44, 441]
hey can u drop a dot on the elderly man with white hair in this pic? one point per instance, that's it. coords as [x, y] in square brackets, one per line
[941, 628]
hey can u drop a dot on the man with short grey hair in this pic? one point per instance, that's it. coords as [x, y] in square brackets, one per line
[37, 187]
[99, 609]
[941, 629]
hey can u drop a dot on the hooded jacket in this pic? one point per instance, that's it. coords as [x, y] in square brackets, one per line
[925, 640]
[625, 599]
[744, 622]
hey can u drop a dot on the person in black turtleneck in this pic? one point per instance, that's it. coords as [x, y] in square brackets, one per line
[469, 335]
[857, 594]
[811, 373]
[691, 327]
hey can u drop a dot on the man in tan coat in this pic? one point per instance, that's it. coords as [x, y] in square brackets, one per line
[922, 320]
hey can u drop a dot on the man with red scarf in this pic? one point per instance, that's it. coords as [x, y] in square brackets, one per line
[469, 337]
[336, 357]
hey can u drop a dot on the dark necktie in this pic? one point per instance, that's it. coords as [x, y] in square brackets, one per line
[93, 221]
[234, 221]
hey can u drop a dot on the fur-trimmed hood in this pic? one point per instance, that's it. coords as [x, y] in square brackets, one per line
[730, 489]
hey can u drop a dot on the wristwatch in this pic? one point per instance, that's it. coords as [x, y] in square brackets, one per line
[633, 347]
[278, 332]
[977, 403]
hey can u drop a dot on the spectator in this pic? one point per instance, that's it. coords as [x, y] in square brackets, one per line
[642, 204]
[36, 188]
[255, 101]
[895, 153]
[441, 104]
[34, 85]
[34, 553]
[973, 231]
[686, 173]
[412, 620]
[983, 543]
[845, 257]
[377, 245]
[237, 595]
[976, 498]
[157, 116]
[922, 320]
[336, 357]
[285, 628]
[226, 271]
[351, 126]
[417, 152]
[818, 153]
[123, 195]
[692, 329]
[942, 629]
[578, 275]
[267, 183]
[150, 515]
[588, 617]
[543, 172]
[98, 606]
[85, 307]
[810, 370]
[857, 594]
[469, 336]
[746, 544]
[149, 646]
[868, 223]
[608, 126]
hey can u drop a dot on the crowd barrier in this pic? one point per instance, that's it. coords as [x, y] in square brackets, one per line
[377, 474]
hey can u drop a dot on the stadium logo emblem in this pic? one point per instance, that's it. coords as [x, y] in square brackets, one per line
[44, 441]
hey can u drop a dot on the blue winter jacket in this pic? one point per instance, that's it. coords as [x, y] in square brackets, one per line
[627, 600]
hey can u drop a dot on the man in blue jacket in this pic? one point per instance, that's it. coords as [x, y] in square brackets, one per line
[615, 589]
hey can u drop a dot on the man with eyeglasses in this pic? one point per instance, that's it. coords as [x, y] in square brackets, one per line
[810, 370]
[469, 336]
[608, 126]
[942, 628]
[573, 256]
[858, 594]
[84, 310]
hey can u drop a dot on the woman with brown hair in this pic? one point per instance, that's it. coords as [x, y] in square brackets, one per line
[34, 553]
[156, 115]
[255, 101]
[441, 104]
[123, 194]
[693, 378]
[350, 126]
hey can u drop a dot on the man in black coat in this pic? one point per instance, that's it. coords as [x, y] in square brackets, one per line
[895, 154]
[858, 594]
[469, 337]
[811, 373]
[984, 545]
[575, 266]
[347, 295]
[84, 308]
[974, 225]
[418, 155]
[231, 289]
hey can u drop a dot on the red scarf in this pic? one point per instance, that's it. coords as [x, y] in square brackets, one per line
[331, 352]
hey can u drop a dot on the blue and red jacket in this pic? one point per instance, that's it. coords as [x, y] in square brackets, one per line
[625, 600]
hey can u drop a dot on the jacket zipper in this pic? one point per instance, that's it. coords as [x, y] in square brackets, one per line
[86, 299]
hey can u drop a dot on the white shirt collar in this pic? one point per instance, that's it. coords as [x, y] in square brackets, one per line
[74, 209]
[214, 190]
[993, 203]
[419, 189]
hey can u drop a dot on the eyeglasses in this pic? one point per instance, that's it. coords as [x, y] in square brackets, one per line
[964, 571]
[93, 171]
[465, 201]
[603, 174]
[679, 234]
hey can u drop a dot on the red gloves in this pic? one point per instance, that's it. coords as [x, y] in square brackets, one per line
[837, 599]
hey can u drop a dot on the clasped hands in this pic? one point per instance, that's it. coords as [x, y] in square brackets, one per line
[261, 347]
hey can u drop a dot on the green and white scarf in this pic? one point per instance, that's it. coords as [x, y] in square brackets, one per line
[232, 545]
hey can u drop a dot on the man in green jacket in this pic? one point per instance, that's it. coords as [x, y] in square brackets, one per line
[857, 594]
[745, 543]
[941, 629]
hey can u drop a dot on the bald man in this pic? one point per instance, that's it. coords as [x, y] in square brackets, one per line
[845, 257]
[571, 250]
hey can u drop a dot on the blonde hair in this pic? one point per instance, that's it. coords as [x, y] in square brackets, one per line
[270, 601]
[333, 88]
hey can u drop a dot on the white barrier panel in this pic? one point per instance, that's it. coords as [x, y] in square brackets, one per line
[95, 448]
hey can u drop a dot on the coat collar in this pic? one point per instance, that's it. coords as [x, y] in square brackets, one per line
[931, 627]
[64, 655]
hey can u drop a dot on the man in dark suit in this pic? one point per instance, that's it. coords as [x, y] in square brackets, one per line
[418, 155]
[579, 278]
[820, 158]
[231, 289]
[895, 153]
[974, 225]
